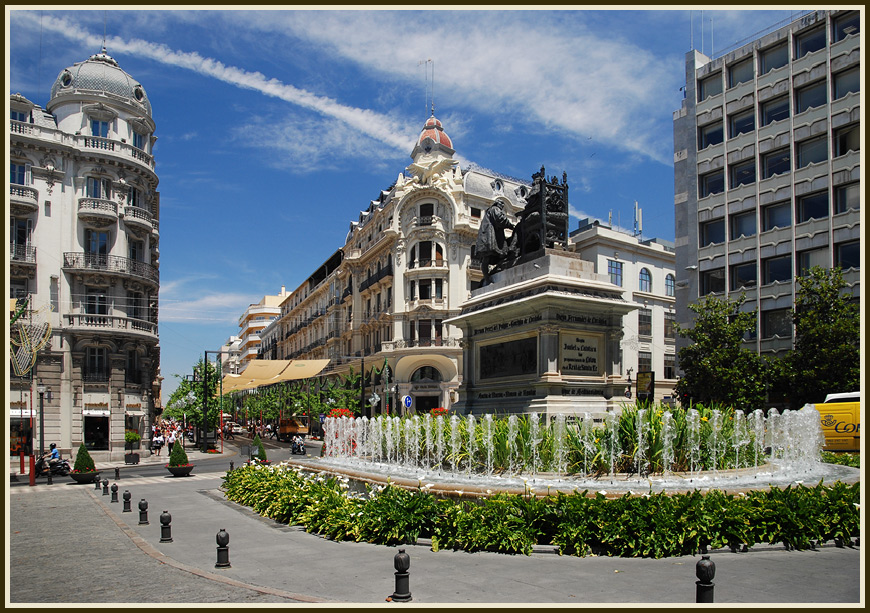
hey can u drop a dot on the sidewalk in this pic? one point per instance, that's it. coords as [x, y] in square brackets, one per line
[273, 562]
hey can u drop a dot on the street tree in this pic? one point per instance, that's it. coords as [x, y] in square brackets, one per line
[717, 367]
[187, 401]
[827, 332]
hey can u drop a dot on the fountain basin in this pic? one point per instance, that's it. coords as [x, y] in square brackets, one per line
[457, 485]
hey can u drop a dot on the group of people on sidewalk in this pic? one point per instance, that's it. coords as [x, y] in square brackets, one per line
[166, 432]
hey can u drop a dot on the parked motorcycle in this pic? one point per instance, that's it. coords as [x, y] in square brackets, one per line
[59, 467]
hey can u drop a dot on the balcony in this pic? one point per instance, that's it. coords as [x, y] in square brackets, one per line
[419, 342]
[99, 263]
[98, 212]
[22, 254]
[84, 322]
[138, 220]
[118, 148]
[123, 152]
[23, 200]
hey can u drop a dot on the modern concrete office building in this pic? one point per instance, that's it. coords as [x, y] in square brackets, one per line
[84, 212]
[767, 169]
[408, 264]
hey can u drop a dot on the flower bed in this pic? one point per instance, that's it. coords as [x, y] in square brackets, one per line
[654, 525]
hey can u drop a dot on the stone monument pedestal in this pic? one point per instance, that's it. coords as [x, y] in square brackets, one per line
[543, 337]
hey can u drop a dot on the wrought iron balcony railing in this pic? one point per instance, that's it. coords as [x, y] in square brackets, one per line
[111, 264]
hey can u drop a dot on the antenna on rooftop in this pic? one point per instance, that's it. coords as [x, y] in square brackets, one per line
[425, 64]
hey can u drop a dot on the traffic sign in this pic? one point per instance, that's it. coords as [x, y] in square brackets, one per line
[406, 400]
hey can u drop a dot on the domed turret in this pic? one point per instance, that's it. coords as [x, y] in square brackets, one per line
[433, 137]
[100, 73]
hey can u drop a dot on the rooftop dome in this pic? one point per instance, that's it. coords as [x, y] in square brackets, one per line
[100, 73]
[433, 137]
[434, 130]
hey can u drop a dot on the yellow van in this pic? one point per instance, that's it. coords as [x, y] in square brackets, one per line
[841, 421]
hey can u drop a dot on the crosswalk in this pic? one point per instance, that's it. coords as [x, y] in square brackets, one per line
[125, 482]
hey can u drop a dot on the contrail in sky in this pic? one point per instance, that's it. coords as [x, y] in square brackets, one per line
[372, 124]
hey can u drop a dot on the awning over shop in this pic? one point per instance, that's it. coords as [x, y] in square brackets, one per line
[268, 372]
[302, 369]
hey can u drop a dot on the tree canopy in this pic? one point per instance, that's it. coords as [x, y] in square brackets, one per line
[826, 356]
[716, 367]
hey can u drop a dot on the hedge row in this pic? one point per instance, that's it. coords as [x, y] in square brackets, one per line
[655, 525]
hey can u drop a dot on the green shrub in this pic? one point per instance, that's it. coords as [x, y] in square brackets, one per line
[178, 456]
[260, 454]
[652, 525]
[84, 462]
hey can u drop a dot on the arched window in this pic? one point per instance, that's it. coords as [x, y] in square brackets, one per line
[645, 280]
[669, 285]
[427, 374]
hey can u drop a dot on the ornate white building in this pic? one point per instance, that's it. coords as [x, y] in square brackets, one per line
[84, 211]
[407, 265]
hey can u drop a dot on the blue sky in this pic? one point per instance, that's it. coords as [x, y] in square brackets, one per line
[275, 128]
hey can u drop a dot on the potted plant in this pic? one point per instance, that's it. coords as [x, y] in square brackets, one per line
[131, 442]
[259, 456]
[179, 465]
[84, 470]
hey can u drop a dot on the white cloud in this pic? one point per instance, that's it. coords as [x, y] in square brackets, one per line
[531, 66]
[367, 122]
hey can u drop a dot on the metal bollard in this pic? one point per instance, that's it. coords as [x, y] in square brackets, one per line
[21, 457]
[50, 481]
[143, 512]
[96, 481]
[127, 496]
[402, 562]
[231, 466]
[705, 570]
[114, 492]
[105, 487]
[223, 551]
[117, 474]
[165, 528]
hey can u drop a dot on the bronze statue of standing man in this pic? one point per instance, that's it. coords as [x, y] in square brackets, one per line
[492, 246]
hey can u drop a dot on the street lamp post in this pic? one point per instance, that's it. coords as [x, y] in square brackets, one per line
[41, 389]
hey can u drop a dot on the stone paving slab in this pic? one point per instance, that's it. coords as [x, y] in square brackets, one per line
[75, 528]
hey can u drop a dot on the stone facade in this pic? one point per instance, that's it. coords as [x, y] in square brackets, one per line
[84, 238]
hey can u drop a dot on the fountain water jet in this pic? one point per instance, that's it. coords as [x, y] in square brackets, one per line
[409, 446]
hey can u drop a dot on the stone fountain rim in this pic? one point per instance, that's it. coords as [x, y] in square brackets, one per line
[471, 491]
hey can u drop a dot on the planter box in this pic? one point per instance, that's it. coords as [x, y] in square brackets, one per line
[85, 477]
[180, 471]
[131, 458]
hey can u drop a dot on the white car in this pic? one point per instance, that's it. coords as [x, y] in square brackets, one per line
[235, 428]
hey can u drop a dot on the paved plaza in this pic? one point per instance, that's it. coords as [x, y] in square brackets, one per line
[69, 543]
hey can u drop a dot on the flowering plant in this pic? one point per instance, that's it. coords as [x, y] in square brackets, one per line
[438, 411]
[340, 413]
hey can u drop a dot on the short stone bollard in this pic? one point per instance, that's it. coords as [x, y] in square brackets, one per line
[127, 496]
[705, 570]
[117, 474]
[165, 528]
[105, 487]
[223, 550]
[143, 512]
[114, 493]
[402, 562]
